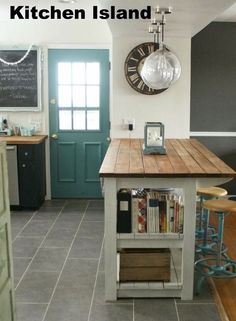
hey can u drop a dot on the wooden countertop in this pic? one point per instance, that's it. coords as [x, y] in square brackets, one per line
[16, 140]
[184, 158]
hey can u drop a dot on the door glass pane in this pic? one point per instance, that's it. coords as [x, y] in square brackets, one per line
[79, 120]
[65, 119]
[93, 96]
[64, 96]
[93, 73]
[78, 96]
[93, 119]
[78, 73]
[64, 73]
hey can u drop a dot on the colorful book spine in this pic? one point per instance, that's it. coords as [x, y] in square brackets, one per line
[150, 212]
[139, 215]
[172, 212]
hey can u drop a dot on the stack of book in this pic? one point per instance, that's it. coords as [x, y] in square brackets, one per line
[151, 212]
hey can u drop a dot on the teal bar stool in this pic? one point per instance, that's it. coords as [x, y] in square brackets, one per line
[206, 235]
[217, 265]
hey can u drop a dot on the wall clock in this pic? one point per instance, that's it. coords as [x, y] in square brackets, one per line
[133, 67]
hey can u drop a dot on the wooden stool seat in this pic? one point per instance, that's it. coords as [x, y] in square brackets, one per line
[212, 191]
[221, 205]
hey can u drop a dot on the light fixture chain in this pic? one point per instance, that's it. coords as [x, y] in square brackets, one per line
[162, 27]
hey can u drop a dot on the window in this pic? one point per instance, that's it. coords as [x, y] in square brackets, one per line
[79, 95]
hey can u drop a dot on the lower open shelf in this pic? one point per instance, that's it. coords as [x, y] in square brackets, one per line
[155, 289]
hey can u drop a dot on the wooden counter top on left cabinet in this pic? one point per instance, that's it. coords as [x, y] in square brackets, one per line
[37, 139]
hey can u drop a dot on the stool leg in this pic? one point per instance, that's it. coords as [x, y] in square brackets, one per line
[221, 219]
[205, 228]
[201, 215]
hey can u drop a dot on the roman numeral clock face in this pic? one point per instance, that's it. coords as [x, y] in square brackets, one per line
[133, 66]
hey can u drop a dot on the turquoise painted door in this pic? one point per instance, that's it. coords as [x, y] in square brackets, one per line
[79, 120]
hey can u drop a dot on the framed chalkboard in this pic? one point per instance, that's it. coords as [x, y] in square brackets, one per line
[20, 84]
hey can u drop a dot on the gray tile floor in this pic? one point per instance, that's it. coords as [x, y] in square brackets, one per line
[59, 270]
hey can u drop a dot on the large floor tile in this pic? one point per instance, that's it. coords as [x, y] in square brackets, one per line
[47, 213]
[69, 219]
[197, 312]
[99, 294]
[37, 228]
[112, 312]
[70, 304]
[91, 230]
[79, 272]
[97, 204]
[36, 287]
[73, 211]
[155, 309]
[86, 248]
[76, 205]
[54, 203]
[59, 237]
[49, 259]
[23, 213]
[19, 219]
[20, 265]
[15, 232]
[94, 215]
[26, 246]
[30, 312]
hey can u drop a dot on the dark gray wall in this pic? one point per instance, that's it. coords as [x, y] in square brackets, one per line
[213, 90]
[213, 78]
[225, 148]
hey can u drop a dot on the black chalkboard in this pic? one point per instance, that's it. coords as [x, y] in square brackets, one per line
[19, 83]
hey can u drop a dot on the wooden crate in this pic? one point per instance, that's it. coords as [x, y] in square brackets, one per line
[145, 265]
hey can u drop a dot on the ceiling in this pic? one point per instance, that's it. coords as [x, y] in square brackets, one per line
[188, 16]
[229, 15]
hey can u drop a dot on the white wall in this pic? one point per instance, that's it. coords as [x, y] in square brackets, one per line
[171, 107]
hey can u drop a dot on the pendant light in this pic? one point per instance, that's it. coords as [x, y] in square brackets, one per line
[162, 68]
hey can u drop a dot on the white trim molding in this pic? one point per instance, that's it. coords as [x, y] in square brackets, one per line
[214, 134]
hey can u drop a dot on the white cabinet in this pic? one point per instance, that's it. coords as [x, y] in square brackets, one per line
[181, 246]
[7, 311]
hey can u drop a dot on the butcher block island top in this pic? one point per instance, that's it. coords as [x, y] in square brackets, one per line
[184, 158]
[36, 139]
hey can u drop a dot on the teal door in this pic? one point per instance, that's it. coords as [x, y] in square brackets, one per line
[79, 120]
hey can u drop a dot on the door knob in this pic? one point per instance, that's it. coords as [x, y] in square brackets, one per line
[108, 139]
[53, 101]
[54, 136]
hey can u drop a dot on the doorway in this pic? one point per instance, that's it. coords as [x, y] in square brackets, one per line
[78, 120]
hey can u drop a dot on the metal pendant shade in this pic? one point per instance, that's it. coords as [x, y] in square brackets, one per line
[161, 68]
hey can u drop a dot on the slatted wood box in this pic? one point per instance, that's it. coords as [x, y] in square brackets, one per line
[144, 265]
